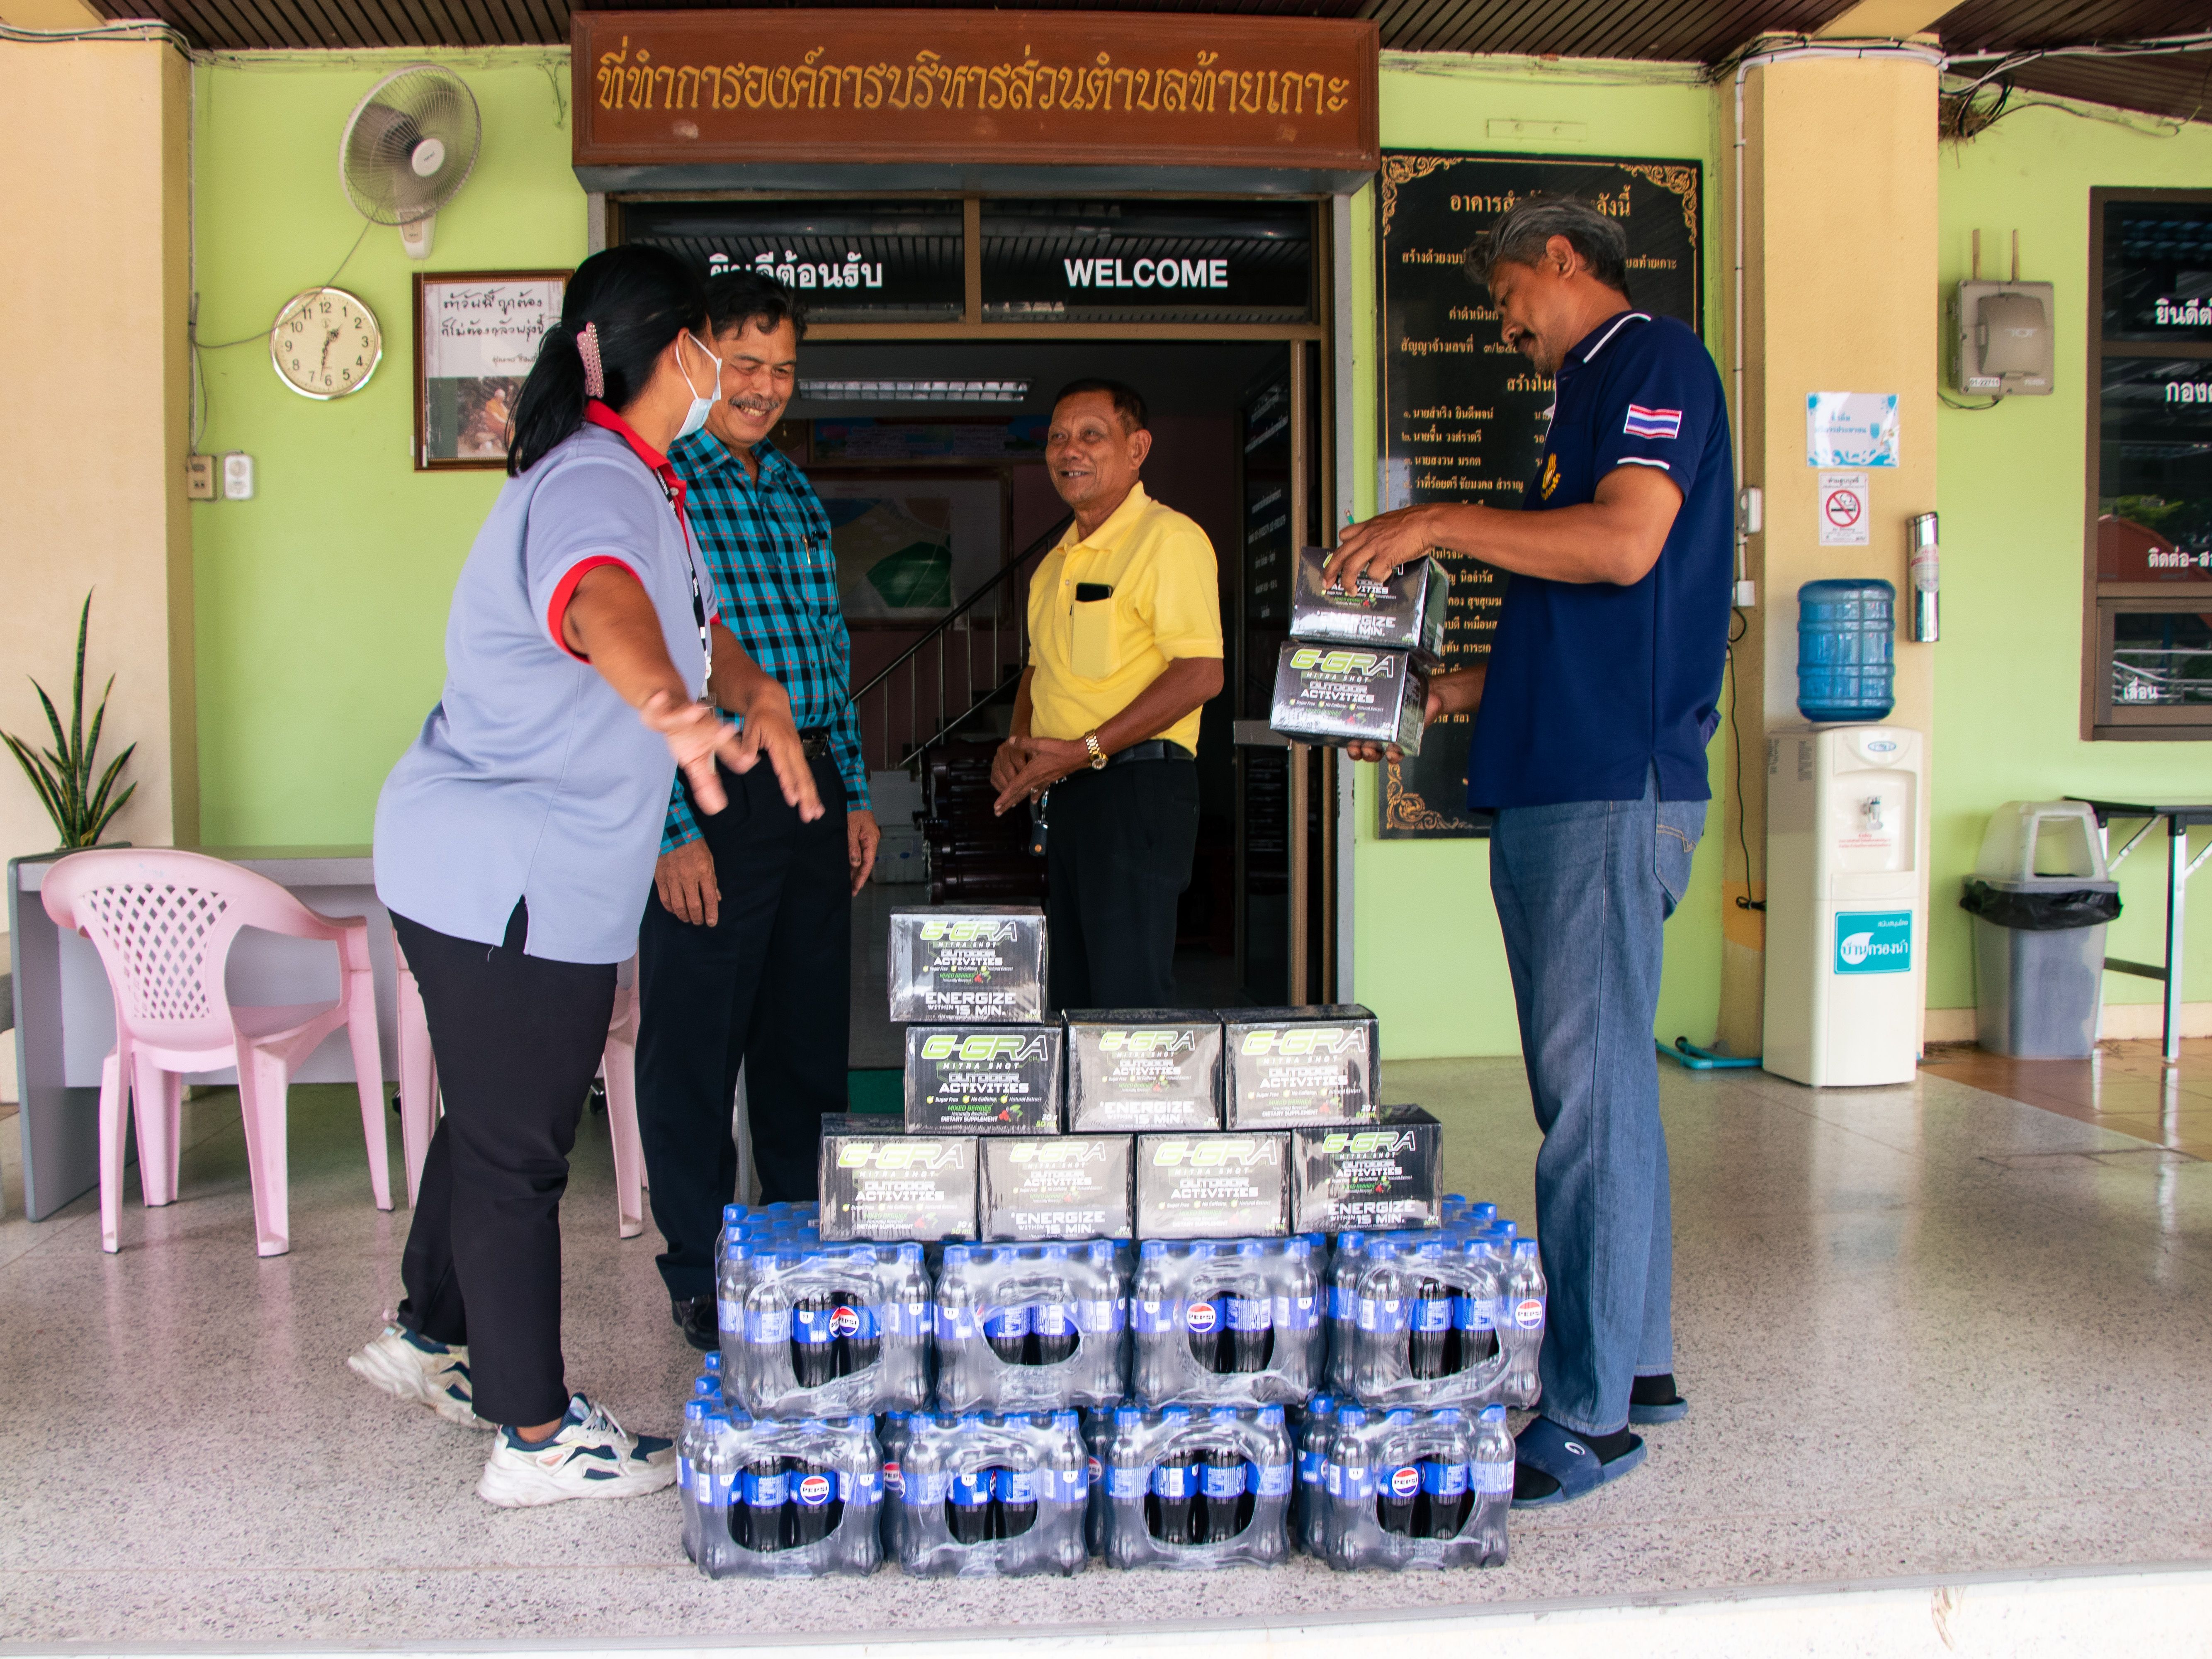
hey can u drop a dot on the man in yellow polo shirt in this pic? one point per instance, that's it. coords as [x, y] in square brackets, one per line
[1125, 649]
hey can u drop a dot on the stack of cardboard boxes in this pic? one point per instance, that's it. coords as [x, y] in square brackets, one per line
[1246, 1123]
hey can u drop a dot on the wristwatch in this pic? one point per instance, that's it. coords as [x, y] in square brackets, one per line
[1097, 754]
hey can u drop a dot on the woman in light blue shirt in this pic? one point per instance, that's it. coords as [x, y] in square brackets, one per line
[515, 842]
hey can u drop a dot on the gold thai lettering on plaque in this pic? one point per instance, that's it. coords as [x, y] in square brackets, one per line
[633, 80]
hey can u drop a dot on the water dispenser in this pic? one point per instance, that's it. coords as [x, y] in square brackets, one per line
[1846, 931]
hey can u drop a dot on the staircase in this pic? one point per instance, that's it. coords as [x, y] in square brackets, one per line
[932, 711]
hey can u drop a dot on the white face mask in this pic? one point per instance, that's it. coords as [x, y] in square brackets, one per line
[701, 407]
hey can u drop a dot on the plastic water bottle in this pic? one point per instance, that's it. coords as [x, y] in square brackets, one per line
[1251, 1312]
[1153, 1312]
[1525, 1295]
[1221, 1483]
[1444, 1500]
[1490, 1477]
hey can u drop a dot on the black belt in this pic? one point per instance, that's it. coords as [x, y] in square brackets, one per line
[1157, 749]
[814, 741]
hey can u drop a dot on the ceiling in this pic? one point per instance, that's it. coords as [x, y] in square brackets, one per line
[1681, 30]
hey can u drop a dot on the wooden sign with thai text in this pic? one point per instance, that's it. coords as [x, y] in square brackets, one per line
[655, 88]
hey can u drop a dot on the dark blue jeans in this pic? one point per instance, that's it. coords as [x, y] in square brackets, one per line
[1584, 891]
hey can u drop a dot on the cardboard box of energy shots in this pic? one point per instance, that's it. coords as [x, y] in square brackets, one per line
[1064, 1187]
[1133, 1069]
[982, 1080]
[1291, 1065]
[897, 1187]
[1373, 1176]
[1404, 612]
[968, 962]
[1213, 1185]
[1340, 694]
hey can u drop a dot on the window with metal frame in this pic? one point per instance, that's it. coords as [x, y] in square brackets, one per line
[2148, 555]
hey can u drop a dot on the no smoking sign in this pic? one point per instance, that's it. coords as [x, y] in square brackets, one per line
[1844, 500]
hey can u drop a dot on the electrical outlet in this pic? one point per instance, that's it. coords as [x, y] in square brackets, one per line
[237, 476]
[1746, 595]
[199, 477]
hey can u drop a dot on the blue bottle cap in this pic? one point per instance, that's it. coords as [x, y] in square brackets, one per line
[909, 1253]
[1152, 1250]
[1321, 1405]
[1223, 1413]
[1493, 1414]
[1249, 1247]
[1525, 1248]
[1066, 1420]
[695, 1411]
[1271, 1417]
[1403, 1414]
[1201, 1251]
[1352, 1417]
[956, 1254]
[1127, 1417]
[1101, 1250]
[1350, 1241]
[1447, 1414]
[704, 1388]
[1176, 1414]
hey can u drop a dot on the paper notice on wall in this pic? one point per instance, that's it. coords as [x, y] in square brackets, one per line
[475, 330]
[1851, 429]
[1842, 503]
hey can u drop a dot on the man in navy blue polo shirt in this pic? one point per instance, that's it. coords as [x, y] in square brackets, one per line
[1591, 717]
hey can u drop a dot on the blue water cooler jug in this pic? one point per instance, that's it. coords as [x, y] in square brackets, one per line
[1844, 635]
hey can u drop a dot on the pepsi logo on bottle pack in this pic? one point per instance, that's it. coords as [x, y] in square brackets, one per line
[844, 1321]
[814, 1490]
[1405, 1481]
[1529, 1313]
[1201, 1317]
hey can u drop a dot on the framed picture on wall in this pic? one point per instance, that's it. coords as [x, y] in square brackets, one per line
[912, 545]
[475, 336]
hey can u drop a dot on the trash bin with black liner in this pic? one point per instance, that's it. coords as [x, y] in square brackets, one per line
[2040, 896]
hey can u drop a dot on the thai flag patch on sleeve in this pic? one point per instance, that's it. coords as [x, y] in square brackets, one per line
[1643, 423]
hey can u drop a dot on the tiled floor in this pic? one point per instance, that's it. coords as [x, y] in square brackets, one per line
[1925, 1330]
[2124, 1086]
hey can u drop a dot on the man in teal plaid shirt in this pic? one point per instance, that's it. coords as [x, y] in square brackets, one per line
[744, 955]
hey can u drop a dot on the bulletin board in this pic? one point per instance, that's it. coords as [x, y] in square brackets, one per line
[475, 336]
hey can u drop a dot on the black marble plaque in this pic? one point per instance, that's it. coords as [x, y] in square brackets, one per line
[1463, 417]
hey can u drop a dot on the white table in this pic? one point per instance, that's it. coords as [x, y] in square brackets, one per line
[66, 1019]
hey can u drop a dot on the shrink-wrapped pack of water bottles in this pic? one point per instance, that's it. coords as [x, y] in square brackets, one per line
[1190, 1489]
[987, 1495]
[1023, 1328]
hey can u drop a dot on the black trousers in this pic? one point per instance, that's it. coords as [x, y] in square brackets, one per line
[518, 1040]
[1117, 857]
[767, 987]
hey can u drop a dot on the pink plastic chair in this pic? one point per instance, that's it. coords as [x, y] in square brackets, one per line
[163, 922]
[419, 1104]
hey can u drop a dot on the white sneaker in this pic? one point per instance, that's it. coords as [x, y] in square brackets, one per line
[589, 1455]
[423, 1373]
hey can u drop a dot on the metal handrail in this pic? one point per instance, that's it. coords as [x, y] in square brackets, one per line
[909, 659]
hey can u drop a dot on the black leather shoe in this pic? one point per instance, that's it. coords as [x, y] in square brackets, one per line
[697, 1316]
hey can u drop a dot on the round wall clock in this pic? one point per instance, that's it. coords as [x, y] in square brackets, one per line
[325, 343]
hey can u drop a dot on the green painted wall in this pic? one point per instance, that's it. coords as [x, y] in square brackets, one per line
[2014, 482]
[321, 603]
[1427, 952]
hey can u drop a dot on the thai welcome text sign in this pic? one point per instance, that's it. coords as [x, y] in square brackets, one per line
[1052, 87]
